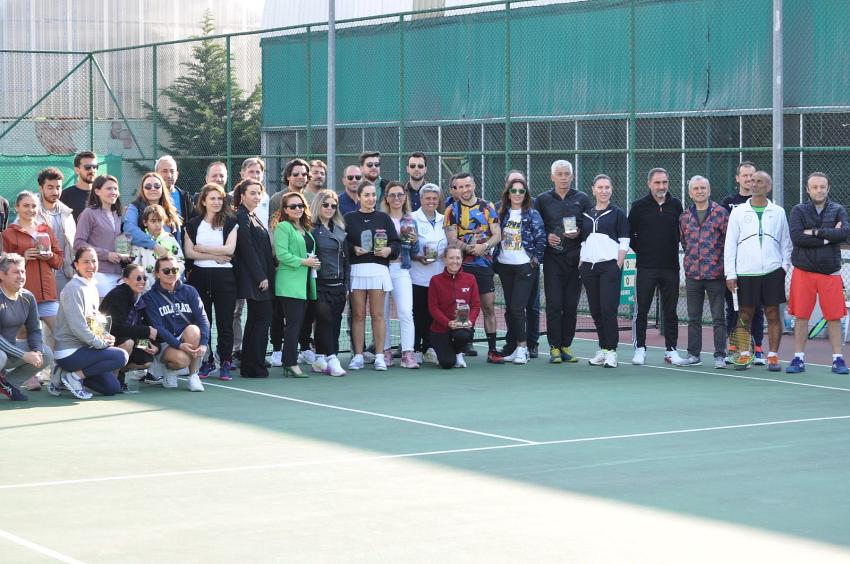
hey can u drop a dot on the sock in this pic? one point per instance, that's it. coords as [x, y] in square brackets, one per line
[771, 353]
[800, 355]
[836, 356]
[491, 341]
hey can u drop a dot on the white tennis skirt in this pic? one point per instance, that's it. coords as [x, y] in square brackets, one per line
[371, 276]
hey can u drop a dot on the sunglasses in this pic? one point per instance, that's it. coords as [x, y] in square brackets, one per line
[416, 166]
[169, 271]
[141, 277]
[396, 196]
[329, 205]
[517, 191]
[300, 174]
[295, 207]
[91, 166]
[354, 177]
[375, 164]
[153, 186]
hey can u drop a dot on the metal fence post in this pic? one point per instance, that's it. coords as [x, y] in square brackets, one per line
[400, 94]
[308, 76]
[778, 103]
[154, 103]
[229, 132]
[508, 147]
[631, 173]
[91, 102]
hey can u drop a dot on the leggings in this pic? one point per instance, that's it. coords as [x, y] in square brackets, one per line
[447, 345]
[328, 310]
[421, 319]
[217, 287]
[99, 366]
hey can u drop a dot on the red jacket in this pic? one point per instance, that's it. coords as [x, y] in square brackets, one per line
[41, 273]
[443, 290]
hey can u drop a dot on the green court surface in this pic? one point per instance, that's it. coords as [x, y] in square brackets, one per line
[540, 463]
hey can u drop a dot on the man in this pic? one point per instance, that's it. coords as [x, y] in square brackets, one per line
[295, 174]
[417, 167]
[318, 174]
[166, 167]
[60, 218]
[348, 200]
[370, 164]
[756, 257]
[702, 230]
[20, 360]
[176, 312]
[743, 176]
[475, 223]
[654, 234]
[76, 197]
[216, 174]
[561, 282]
[532, 308]
[818, 228]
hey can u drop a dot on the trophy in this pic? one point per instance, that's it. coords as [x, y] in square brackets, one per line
[462, 312]
[366, 241]
[430, 252]
[380, 239]
[99, 324]
[570, 225]
[123, 246]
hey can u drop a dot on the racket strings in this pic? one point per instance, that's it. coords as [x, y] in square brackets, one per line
[740, 343]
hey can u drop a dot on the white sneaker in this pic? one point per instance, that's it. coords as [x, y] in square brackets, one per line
[417, 356]
[640, 356]
[672, 357]
[520, 356]
[277, 358]
[380, 362]
[319, 364]
[691, 360]
[334, 367]
[610, 359]
[598, 359]
[54, 386]
[75, 385]
[430, 356]
[510, 357]
[195, 384]
[307, 357]
[169, 379]
[368, 357]
[459, 362]
[719, 363]
[356, 362]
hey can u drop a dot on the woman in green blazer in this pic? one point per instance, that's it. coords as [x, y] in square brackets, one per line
[295, 249]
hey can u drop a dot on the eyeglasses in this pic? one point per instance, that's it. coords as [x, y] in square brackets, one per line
[517, 190]
[169, 271]
[153, 186]
[141, 277]
[91, 166]
[416, 166]
[299, 174]
[354, 177]
[396, 196]
[329, 205]
[373, 164]
[295, 207]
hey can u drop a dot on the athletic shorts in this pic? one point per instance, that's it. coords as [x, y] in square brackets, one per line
[768, 289]
[484, 277]
[806, 287]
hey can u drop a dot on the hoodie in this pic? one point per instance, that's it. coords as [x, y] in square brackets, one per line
[170, 319]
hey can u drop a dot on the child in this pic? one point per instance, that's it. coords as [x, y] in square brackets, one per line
[153, 218]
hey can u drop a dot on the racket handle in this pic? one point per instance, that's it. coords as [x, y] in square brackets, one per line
[735, 299]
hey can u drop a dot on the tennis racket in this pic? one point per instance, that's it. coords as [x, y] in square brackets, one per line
[817, 328]
[741, 346]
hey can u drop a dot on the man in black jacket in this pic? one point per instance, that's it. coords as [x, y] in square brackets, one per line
[818, 228]
[654, 234]
[166, 167]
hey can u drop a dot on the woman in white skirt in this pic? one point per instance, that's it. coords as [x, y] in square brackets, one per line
[394, 202]
[370, 273]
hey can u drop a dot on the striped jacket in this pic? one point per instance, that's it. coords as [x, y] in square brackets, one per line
[703, 243]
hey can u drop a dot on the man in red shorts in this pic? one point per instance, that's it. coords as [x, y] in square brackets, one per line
[818, 228]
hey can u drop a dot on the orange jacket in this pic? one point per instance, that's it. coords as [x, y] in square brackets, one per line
[41, 279]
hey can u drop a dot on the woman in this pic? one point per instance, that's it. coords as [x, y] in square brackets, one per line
[130, 327]
[426, 264]
[255, 271]
[331, 280]
[370, 273]
[152, 191]
[99, 227]
[85, 355]
[451, 332]
[154, 218]
[295, 249]
[210, 242]
[516, 257]
[605, 241]
[394, 203]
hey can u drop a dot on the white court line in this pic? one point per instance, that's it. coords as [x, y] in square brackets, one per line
[352, 460]
[38, 548]
[372, 413]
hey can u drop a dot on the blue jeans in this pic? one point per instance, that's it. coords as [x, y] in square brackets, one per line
[99, 366]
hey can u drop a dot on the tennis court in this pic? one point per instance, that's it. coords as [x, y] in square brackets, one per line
[545, 463]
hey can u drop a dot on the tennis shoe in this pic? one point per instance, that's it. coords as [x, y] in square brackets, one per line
[169, 379]
[598, 359]
[610, 359]
[75, 386]
[224, 371]
[277, 358]
[388, 358]
[10, 390]
[720, 363]
[520, 356]
[368, 356]
[207, 368]
[408, 360]
[691, 360]
[672, 357]
[54, 385]
[639, 357]
[567, 355]
[555, 356]
[334, 368]
[320, 364]
[195, 384]
[494, 358]
[356, 362]
[418, 357]
[797, 365]
[773, 363]
[759, 357]
[430, 356]
[459, 362]
[839, 367]
[307, 357]
[381, 362]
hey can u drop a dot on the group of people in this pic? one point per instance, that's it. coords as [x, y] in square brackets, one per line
[129, 293]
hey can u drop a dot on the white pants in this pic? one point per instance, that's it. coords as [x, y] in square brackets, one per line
[105, 282]
[402, 295]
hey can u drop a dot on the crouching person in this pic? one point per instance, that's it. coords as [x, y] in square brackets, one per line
[175, 310]
[19, 359]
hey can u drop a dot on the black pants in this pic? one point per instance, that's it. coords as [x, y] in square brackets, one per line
[562, 287]
[532, 316]
[217, 287]
[602, 286]
[278, 322]
[255, 337]
[517, 280]
[305, 339]
[328, 310]
[448, 345]
[293, 310]
[756, 326]
[421, 319]
[667, 280]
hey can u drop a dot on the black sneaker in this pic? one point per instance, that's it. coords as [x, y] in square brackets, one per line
[152, 379]
[532, 351]
[470, 350]
[10, 391]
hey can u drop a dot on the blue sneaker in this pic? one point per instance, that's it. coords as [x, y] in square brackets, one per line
[207, 368]
[9, 390]
[839, 367]
[798, 365]
[224, 371]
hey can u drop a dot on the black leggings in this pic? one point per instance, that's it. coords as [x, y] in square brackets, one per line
[602, 284]
[516, 283]
[421, 319]
[328, 310]
[448, 345]
[217, 287]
